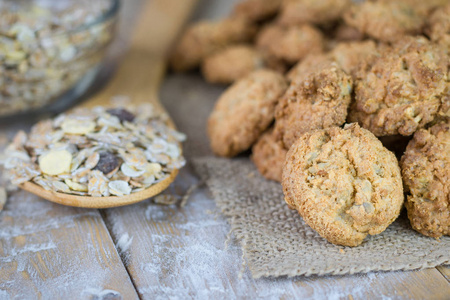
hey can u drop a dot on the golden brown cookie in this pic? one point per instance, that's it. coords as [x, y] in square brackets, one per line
[311, 63]
[295, 12]
[344, 183]
[385, 21]
[204, 38]
[438, 27]
[320, 101]
[403, 90]
[426, 174]
[290, 44]
[350, 55]
[257, 10]
[244, 111]
[422, 7]
[231, 64]
[268, 155]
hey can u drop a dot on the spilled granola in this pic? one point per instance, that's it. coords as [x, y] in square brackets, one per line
[97, 152]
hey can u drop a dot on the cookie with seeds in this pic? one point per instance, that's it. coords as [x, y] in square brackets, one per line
[348, 56]
[320, 12]
[311, 63]
[231, 64]
[268, 155]
[343, 183]
[385, 21]
[320, 101]
[426, 175]
[244, 111]
[204, 38]
[438, 27]
[290, 44]
[257, 10]
[403, 90]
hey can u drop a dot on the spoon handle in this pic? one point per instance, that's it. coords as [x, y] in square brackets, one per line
[142, 69]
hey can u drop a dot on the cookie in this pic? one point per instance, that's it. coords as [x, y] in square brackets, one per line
[350, 55]
[438, 27]
[257, 10]
[244, 111]
[320, 101]
[385, 21]
[426, 175]
[344, 183]
[320, 12]
[403, 90]
[231, 64]
[268, 155]
[204, 38]
[312, 63]
[290, 44]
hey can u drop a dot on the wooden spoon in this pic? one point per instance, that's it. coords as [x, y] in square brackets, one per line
[139, 77]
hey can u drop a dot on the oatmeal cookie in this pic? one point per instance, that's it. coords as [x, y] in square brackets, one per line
[385, 21]
[344, 183]
[295, 12]
[257, 10]
[438, 27]
[206, 37]
[422, 7]
[350, 55]
[268, 155]
[290, 44]
[231, 64]
[244, 111]
[311, 63]
[403, 90]
[320, 101]
[426, 174]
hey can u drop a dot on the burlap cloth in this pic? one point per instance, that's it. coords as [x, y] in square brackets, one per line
[275, 240]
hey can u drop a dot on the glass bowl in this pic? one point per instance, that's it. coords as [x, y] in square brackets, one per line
[50, 50]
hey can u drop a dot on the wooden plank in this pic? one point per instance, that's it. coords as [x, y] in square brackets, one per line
[51, 251]
[445, 271]
[181, 252]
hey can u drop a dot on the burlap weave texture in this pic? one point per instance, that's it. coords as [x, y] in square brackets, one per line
[276, 242]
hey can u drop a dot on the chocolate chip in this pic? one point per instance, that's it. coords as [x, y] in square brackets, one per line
[122, 114]
[107, 162]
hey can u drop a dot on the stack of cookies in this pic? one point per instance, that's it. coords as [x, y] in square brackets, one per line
[322, 92]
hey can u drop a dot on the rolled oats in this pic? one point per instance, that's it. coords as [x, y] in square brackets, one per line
[134, 151]
[47, 47]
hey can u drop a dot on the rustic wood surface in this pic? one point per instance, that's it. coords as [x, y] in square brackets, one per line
[153, 251]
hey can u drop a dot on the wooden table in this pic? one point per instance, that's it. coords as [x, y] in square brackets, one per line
[157, 252]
